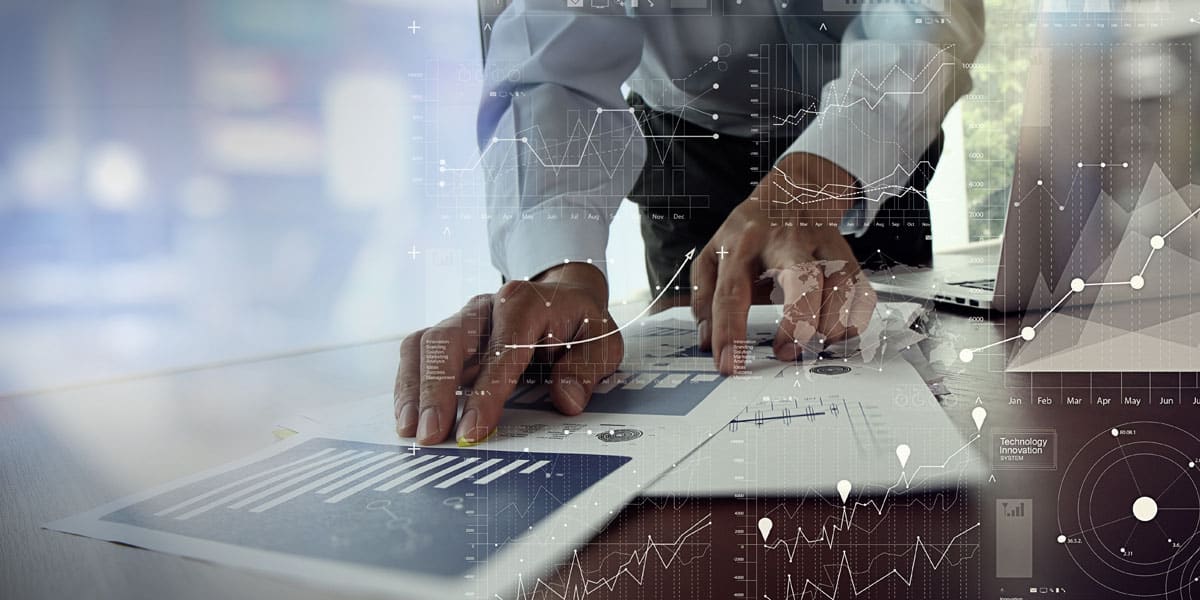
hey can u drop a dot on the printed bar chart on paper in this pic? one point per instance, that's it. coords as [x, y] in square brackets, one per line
[435, 510]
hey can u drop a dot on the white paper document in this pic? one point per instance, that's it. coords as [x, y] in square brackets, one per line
[817, 425]
[347, 504]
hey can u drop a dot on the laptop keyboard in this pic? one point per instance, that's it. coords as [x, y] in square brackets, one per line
[979, 284]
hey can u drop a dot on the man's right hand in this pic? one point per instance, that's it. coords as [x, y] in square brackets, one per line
[488, 345]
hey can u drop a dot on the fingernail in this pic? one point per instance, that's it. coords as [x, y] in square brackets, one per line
[408, 418]
[468, 427]
[705, 333]
[429, 426]
[574, 393]
[726, 365]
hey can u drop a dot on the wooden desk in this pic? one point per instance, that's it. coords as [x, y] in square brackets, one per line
[68, 451]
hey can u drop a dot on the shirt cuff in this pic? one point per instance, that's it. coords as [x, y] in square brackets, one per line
[539, 241]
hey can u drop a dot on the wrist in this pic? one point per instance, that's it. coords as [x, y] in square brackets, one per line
[581, 275]
[814, 183]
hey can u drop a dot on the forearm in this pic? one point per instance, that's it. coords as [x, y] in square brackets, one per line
[558, 143]
[808, 188]
[899, 77]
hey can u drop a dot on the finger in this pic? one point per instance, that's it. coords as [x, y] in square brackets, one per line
[582, 366]
[731, 304]
[407, 392]
[863, 303]
[842, 316]
[837, 302]
[445, 350]
[704, 279]
[801, 284]
[508, 353]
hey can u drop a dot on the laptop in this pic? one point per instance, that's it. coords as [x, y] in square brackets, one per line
[1094, 143]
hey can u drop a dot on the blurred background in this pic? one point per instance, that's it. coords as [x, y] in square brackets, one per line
[185, 182]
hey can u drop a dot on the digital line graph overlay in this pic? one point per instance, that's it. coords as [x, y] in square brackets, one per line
[577, 584]
[437, 511]
[783, 112]
[587, 142]
[877, 191]
[687, 258]
[844, 574]
[1078, 285]
[937, 62]
[1044, 191]
[540, 148]
[920, 549]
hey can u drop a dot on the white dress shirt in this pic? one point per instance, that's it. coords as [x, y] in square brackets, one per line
[871, 82]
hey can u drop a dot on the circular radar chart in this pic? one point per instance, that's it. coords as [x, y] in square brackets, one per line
[1129, 510]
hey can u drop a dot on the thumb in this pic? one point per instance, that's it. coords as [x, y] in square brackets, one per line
[578, 370]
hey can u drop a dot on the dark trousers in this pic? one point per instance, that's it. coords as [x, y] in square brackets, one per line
[688, 187]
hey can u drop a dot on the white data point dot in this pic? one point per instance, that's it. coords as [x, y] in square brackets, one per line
[599, 110]
[1039, 182]
[547, 305]
[716, 58]
[1145, 509]
[1103, 165]
[1077, 285]
[1062, 539]
[716, 116]
[1028, 333]
[966, 355]
[1080, 165]
[716, 86]
[1137, 282]
[1125, 164]
[1114, 432]
[1157, 242]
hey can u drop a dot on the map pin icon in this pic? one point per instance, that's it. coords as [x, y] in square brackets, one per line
[843, 488]
[764, 527]
[979, 414]
[902, 453]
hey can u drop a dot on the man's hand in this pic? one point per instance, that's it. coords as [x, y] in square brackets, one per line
[787, 228]
[487, 346]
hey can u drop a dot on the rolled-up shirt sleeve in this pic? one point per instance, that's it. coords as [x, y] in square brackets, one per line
[559, 145]
[902, 67]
